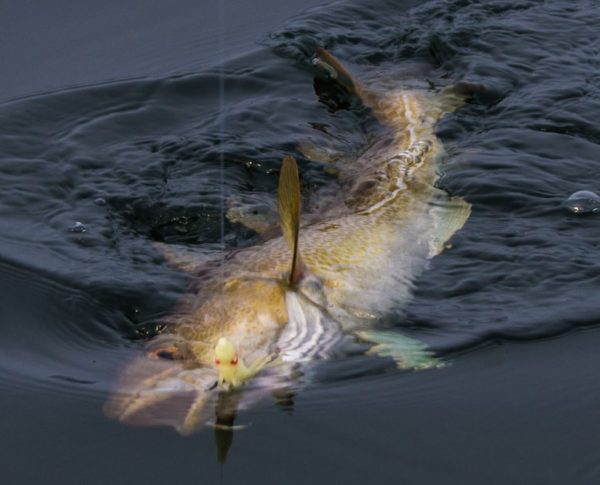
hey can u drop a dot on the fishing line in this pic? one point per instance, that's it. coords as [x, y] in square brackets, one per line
[221, 14]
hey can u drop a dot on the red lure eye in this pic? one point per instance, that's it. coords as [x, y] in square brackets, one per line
[234, 361]
[217, 361]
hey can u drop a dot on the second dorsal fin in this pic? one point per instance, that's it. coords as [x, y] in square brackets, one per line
[288, 206]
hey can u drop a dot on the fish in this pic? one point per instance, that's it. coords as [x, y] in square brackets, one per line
[327, 276]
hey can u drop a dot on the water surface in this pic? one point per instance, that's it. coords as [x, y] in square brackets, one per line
[93, 175]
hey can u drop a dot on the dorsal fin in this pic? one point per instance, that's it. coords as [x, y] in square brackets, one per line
[288, 205]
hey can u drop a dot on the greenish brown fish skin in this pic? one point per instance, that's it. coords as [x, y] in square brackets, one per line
[346, 250]
[365, 249]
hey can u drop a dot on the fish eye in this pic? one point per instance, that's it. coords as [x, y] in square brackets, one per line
[166, 354]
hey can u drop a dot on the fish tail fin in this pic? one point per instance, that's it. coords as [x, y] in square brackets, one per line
[447, 100]
[342, 76]
[337, 71]
[288, 205]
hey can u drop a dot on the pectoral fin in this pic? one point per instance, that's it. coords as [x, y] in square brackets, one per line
[322, 153]
[183, 258]
[288, 205]
[408, 353]
[259, 216]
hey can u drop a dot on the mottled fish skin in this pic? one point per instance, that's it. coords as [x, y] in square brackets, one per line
[361, 256]
[351, 250]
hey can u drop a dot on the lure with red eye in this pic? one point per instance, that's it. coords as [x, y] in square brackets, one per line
[231, 369]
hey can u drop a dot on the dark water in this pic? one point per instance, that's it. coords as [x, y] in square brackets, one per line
[92, 176]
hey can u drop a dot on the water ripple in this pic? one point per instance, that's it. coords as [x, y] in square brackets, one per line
[138, 162]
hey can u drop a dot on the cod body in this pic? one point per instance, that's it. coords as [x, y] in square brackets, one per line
[271, 307]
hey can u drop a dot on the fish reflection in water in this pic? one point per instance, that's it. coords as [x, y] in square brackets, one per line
[225, 415]
[260, 315]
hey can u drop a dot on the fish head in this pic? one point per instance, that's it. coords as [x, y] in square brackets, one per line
[223, 344]
[254, 315]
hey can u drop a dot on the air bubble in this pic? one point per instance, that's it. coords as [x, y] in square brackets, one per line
[583, 202]
[78, 227]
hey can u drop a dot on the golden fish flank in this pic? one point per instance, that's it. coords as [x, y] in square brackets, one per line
[288, 299]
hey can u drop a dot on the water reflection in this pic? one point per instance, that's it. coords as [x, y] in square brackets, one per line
[226, 410]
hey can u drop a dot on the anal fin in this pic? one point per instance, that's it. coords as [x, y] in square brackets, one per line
[448, 217]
